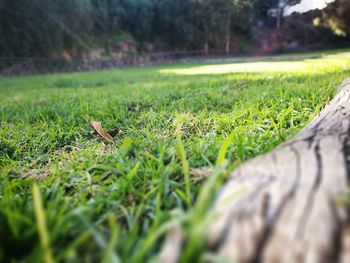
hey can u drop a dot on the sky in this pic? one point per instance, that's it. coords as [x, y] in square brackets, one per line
[307, 5]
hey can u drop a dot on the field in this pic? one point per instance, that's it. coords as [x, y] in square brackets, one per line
[68, 195]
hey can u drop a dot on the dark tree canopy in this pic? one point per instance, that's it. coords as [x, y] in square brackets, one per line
[47, 28]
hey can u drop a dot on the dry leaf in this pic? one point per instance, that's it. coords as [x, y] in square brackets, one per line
[200, 174]
[98, 128]
[171, 250]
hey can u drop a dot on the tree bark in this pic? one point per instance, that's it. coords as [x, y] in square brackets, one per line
[228, 34]
[284, 206]
[279, 18]
[227, 44]
[206, 48]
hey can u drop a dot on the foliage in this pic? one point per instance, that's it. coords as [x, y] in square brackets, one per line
[300, 30]
[38, 28]
[337, 17]
[51, 28]
[101, 201]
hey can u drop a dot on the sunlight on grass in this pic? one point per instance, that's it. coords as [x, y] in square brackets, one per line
[102, 202]
[326, 64]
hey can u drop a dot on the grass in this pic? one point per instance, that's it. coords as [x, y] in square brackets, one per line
[66, 195]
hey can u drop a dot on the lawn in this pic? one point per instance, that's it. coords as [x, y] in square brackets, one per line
[68, 194]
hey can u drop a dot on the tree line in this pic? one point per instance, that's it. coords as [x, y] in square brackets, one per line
[43, 28]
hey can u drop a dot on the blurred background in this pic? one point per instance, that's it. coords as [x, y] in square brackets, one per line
[70, 35]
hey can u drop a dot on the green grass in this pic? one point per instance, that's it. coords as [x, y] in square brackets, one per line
[66, 195]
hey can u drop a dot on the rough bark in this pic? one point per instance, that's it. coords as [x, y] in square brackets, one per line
[287, 209]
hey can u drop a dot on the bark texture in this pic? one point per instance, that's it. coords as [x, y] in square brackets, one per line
[284, 206]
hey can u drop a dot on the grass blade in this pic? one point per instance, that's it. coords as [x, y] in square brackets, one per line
[180, 150]
[41, 223]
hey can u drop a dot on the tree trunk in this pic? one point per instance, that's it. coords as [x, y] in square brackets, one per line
[280, 16]
[228, 33]
[227, 46]
[278, 22]
[284, 206]
[206, 48]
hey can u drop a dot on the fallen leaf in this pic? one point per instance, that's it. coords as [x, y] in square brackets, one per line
[171, 250]
[98, 128]
[200, 174]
